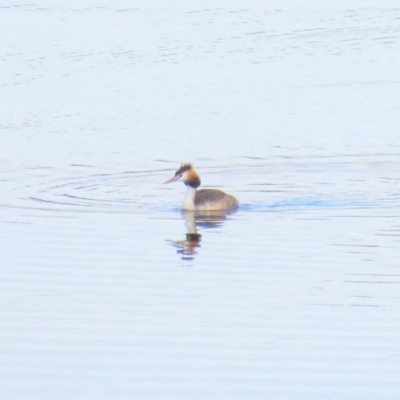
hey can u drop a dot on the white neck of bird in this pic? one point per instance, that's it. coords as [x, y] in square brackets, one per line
[188, 201]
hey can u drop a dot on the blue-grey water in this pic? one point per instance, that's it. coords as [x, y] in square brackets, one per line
[293, 107]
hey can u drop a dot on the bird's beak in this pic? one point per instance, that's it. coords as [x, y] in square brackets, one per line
[173, 179]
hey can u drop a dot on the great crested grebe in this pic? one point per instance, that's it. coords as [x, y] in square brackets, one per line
[204, 199]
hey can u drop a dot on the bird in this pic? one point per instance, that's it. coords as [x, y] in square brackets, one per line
[203, 199]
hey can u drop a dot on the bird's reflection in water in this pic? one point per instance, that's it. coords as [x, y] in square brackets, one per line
[188, 247]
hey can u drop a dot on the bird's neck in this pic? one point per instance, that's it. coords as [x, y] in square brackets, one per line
[188, 201]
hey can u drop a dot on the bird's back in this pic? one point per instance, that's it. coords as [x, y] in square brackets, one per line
[214, 199]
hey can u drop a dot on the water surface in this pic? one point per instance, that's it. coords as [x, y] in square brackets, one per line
[293, 108]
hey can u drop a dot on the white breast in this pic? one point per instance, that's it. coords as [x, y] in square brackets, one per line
[188, 201]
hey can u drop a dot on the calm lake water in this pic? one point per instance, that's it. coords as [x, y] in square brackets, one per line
[293, 107]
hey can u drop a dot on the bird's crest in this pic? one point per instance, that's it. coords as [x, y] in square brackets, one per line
[183, 168]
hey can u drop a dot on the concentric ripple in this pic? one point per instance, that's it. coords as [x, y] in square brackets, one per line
[91, 193]
[302, 183]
